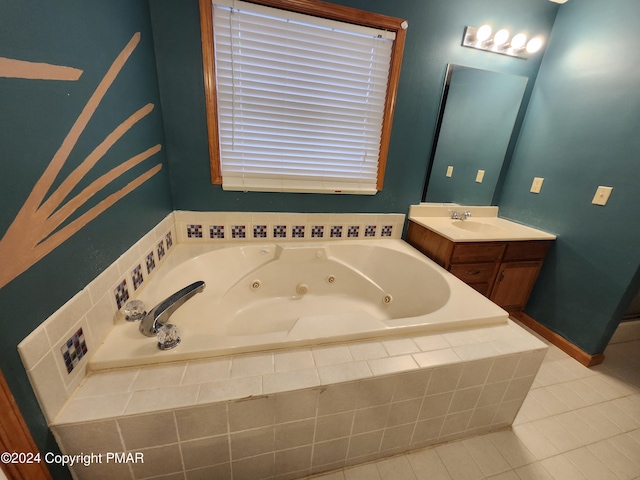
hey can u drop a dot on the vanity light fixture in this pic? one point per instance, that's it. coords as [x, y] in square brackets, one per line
[482, 38]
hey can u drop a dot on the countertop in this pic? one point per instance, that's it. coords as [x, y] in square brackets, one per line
[483, 225]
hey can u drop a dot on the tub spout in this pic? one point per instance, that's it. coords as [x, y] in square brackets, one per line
[159, 315]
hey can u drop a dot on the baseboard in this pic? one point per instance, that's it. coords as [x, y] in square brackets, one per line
[562, 343]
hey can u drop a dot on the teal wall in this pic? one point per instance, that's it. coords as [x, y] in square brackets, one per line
[581, 131]
[433, 40]
[35, 116]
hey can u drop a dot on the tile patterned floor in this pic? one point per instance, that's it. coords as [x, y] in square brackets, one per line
[576, 424]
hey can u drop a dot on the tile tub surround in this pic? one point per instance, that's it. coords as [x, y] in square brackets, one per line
[576, 423]
[45, 352]
[292, 413]
[95, 307]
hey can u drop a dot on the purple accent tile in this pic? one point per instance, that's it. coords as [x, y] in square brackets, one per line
[150, 262]
[317, 231]
[336, 231]
[239, 231]
[160, 250]
[137, 277]
[169, 239]
[73, 350]
[370, 231]
[216, 231]
[193, 231]
[387, 231]
[297, 231]
[353, 231]
[259, 231]
[122, 294]
[280, 231]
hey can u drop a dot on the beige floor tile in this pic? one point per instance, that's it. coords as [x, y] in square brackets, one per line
[397, 468]
[589, 465]
[459, 463]
[561, 468]
[557, 434]
[615, 460]
[486, 455]
[427, 464]
[534, 471]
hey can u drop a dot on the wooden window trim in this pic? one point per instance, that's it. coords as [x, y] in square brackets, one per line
[318, 9]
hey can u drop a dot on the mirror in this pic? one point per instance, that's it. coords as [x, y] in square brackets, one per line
[477, 114]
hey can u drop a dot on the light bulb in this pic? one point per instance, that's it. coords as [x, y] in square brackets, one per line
[534, 45]
[483, 33]
[518, 41]
[501, 37]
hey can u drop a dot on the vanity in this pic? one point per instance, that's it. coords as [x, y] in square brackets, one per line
[499, 258]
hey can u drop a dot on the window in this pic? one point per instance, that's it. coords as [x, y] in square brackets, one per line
[299, 101]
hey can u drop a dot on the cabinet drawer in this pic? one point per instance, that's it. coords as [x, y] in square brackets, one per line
[530, 250]
[477, 252]
[474, 272]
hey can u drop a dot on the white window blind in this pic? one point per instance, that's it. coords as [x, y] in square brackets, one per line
[300, 100]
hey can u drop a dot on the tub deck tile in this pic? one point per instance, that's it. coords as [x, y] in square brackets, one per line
[309, 410]
[229, 389]
[344, 372]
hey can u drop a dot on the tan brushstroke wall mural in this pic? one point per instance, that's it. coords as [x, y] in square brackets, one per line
[36, 231]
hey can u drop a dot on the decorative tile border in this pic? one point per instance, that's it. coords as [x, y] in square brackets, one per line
[150, 262]
[137, 277]
[73, 350]
[234, 226]
[280, 231]
[121, 293]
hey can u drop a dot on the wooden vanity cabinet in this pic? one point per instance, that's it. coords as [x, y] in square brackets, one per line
[504, 271]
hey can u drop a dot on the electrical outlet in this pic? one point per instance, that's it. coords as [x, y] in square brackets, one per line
[449, 171]
[602, 195]
[480, 176]
[536, 185]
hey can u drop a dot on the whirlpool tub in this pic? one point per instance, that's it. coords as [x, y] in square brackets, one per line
[279, 295]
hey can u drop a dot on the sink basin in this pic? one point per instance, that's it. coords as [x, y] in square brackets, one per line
[477, 227]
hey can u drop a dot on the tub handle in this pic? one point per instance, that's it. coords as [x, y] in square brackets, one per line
[160, 314]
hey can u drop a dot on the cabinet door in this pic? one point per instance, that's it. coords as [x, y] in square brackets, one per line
[514, 283]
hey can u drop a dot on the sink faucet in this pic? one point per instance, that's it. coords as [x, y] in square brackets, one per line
[159, 315]
[455, 215]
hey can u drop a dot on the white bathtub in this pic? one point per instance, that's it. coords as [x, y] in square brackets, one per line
[354, 290]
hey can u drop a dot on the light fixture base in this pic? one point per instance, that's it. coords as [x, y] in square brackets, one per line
[469, 39]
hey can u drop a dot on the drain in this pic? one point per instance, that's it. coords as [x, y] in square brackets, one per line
[302, 289]
[256, 284]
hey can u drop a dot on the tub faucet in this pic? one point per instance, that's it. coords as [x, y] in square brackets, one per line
[455, 215]
[159, 315]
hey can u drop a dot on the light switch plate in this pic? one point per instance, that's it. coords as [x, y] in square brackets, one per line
[602, 195]
[536, 185]
[449, 170]
[480, 176]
